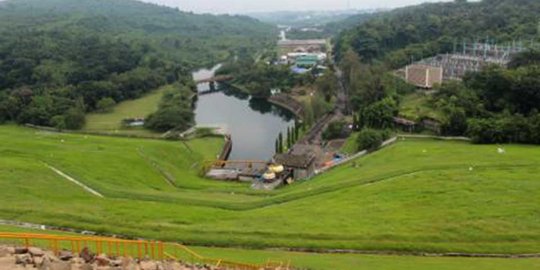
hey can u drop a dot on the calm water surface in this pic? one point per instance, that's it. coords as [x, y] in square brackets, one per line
[254, 124]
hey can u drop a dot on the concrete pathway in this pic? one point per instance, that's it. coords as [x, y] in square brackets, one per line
[69, 178]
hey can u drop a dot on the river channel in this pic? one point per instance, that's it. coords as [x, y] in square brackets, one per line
[254, 124]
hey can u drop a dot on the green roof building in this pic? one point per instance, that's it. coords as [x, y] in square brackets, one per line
[307, 61]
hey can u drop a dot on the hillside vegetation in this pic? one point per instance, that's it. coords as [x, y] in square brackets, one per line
[496, 105]
[414, 196]
[419, 31]
[62, 58]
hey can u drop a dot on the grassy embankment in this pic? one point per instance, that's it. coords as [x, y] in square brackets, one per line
[112, 122]
[417, 195]
[341, 261]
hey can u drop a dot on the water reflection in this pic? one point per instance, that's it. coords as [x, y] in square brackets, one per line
[253, 123]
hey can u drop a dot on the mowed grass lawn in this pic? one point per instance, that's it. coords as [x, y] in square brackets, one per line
[370, 262]
[321, 261]
[416, 195]
[137, 108]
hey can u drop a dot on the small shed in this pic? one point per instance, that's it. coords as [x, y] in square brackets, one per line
[432, 125]
[405, 124]
[303, 165]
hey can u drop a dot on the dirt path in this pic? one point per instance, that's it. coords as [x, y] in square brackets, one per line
[69, 178]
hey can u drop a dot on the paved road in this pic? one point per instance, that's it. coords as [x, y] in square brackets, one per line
[314, 135]
[342, 103]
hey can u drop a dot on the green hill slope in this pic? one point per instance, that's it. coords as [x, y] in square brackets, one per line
[427, 29]
[428, 196]
[182, 33]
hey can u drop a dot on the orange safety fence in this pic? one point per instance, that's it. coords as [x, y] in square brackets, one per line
[123, 247]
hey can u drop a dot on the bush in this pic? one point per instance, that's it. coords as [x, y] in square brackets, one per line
[379, 114]
[59, 122]
[386, 134]
[506, 129]
[105, 105]
[175, 112]
[168, 118]
[369, 139]
[74, 119]
[455, 124]
[334, 130]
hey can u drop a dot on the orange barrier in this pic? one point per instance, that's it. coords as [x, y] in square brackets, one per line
[123, 247]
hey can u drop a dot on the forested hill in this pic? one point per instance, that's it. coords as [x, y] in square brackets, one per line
[427, 29]
[132, 19]
[60, 58]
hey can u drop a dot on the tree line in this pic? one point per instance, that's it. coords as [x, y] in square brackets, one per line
[60, 59]
[496, 105]
[493, 106]
[411, 33]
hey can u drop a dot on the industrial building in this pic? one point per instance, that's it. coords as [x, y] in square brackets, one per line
[423, 76]
[298, 46]
[472, 57]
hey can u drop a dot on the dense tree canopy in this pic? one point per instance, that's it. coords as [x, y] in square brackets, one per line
[258, 77]
[498, 104]
[418, 31]
[62, 58]
[175, 110]
[494, 105]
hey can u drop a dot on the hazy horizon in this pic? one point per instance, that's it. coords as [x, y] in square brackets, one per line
[250, 6]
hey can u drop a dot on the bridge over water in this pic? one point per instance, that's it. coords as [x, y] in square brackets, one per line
[212, 81]
[219, 78]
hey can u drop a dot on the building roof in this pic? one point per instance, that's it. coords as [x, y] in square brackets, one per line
[299, 70]
[295, 161]
[307, 60]
[424, 76]
[292, 42]
[403, 121]
[307, 57]
[306, 63]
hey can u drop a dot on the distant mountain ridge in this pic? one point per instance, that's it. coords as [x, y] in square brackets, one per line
[144, 16]
[313, 18]
[431, 28]
[59, 56]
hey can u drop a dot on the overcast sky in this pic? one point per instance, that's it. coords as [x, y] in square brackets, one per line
[244, 6]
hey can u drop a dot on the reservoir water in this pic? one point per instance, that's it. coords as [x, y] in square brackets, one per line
[254, 124]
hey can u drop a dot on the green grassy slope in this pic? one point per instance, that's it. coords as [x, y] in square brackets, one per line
[339, 261]
[417, 195]
[371, 262]
[112, 122]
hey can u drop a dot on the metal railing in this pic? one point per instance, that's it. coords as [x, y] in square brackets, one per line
[139, 249]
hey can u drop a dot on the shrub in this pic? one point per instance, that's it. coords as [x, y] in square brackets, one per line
[369, 139]
[168, 118]
[455, 124]
[105, 105]
[386, 134]
[334, 130]
[59, 122]
[74, 119]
